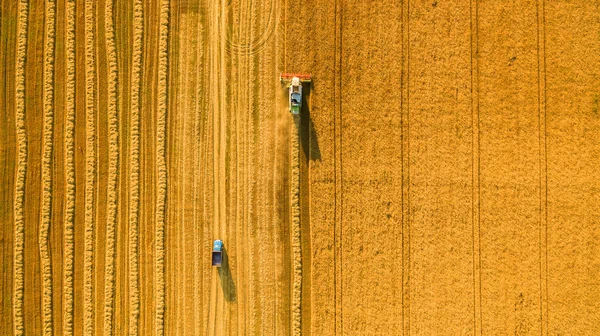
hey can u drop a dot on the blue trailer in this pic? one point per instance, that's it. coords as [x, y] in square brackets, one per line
[217, 253]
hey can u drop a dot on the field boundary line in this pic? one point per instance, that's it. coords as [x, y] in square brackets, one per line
[90, 166]
[113, 168]
[19, 200]
[69, 138]
[161, 165]
[46, 174]
[134, 168]
[476, 186]
[543, 165]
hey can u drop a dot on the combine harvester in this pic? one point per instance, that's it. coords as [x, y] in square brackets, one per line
[294, 83]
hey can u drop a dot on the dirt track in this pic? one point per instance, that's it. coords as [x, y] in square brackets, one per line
[442, 178]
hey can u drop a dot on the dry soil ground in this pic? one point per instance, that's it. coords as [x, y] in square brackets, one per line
[441, 180]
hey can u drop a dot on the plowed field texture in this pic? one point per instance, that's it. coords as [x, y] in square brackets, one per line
[442, 177]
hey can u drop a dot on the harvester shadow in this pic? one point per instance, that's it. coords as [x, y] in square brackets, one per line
[227, 284]
[308, 135]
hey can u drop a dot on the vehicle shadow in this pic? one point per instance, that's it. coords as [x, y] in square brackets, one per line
[227, 284]
[308, 135]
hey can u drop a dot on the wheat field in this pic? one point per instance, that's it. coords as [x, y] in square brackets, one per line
[441, 178]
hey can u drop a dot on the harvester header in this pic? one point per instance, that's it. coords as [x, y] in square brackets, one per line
[289, 76]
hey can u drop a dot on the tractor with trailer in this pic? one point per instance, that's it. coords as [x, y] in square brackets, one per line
[294, 84]
[217, 253]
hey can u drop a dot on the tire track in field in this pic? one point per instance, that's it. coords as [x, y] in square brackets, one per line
[251, 192]
[246, 258]
[240, 187]
[134, 167]
[267, 156]
[260, 202]
[48, 149]
[190, 170]
[231, 182]
[207, 183]
[181, 156]
[281, 205]
[251, 47]
[264, 129]
[222, 134]
[69, 143]
[199, 136]
[219, 141]
[178, 189]
[338, 169]
[19, 200]
[405, 138]
[240, 165]
[476, 178]
[253, 209]
[274, 144]
[161, 165]
[543, 164]
[214, 111]
[113, 169]
[90, 166]
[405, 158]
[275, 218]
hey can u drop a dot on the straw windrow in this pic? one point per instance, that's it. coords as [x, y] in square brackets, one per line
[134, 168]
[69, 238]
[113, 169]
[161, 165]
[19, 199]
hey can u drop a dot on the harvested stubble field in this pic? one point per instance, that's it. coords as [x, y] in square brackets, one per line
[441, 180]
